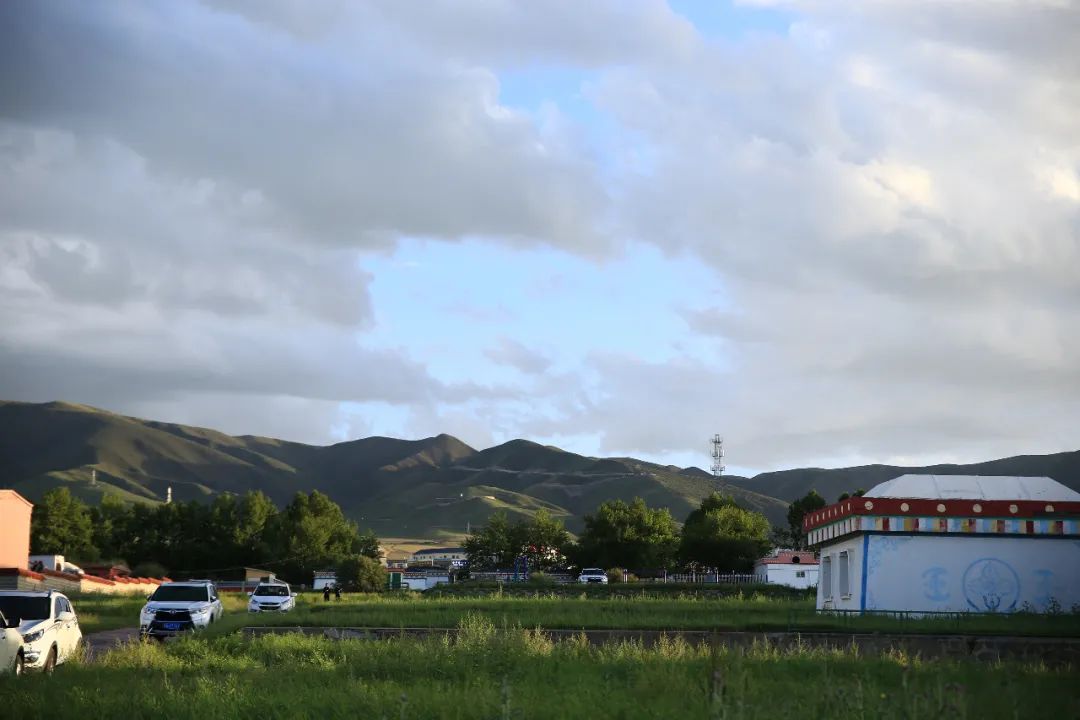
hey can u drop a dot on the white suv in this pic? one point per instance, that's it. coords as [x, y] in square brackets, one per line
[179, 607]
[48, 626]
[592, 575]
[272, 597]
[11, 646]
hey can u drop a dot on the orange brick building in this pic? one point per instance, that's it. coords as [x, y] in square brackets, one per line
[14, 529]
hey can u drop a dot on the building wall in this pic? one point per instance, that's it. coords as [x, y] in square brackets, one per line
[788, 574]
[829, 594]
[14, 529]
[955, 573]
[977, 574]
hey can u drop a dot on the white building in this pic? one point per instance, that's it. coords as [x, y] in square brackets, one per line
[323, 579]
[788, 567]
[950, 543]
[446, 556]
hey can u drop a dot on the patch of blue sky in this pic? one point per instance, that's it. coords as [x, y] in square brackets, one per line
[450, 303]
[730, 20]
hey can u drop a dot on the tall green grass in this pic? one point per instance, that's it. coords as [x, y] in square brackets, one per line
[644, 612]
[519, 673]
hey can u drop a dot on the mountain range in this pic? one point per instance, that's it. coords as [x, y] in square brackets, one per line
[431, 488]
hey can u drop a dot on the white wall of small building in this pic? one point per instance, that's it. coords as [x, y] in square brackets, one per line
[830, 593]
[951, 573]
[791, 574]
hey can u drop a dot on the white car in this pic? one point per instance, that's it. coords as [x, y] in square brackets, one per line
[180, 607]
[272, 597]
[48, 626]
[592, 575]
[11, 646]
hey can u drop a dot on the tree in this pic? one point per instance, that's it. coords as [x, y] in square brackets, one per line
[110, 525]
[361, 573]
[844, 496]
[368, 545]
[60, 525]
[631, 536]
[312, 532]
[492, 546]
[541, 539]
[722, 535]
[797, 511]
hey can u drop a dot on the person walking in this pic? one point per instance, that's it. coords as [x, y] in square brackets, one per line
[326, 593]
[337, 591]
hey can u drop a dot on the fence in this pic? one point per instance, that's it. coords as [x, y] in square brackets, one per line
[903, 621]
[719, 578]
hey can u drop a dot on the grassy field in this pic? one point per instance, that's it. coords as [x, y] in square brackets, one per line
[486, 674]
[586, 611]
[750, 612]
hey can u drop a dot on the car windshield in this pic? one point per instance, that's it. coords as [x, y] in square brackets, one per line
[24, 608]
[179, 593]
[592, 571]
[275, 590]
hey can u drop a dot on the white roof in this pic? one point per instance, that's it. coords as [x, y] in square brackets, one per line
[974, 487]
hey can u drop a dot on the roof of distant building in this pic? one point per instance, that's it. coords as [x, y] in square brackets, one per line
[789, 557]
[432, 551]
[974, 487]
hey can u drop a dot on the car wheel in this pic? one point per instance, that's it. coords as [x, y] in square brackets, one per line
[50, 661]
[20, 664]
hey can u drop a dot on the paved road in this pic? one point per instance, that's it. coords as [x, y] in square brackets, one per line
[99, 642]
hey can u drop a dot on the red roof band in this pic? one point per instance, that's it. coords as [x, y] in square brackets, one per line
[939, 508]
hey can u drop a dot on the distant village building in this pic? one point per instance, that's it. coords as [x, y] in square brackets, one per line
[788, 567]
[950, 543]
[323, 579]
[14, 529]
[444, 557]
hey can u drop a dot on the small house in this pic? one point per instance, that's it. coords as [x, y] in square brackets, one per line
[794, 568]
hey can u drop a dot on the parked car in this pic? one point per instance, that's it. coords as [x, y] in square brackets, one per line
[48, 626]
[272, 597]
[592, 575]
[11, 646]
[180, 607]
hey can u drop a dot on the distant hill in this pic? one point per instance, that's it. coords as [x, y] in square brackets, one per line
[791, 484]
[431, 488]
[418, 488]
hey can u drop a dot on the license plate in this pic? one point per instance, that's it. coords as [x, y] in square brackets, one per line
[173, 626]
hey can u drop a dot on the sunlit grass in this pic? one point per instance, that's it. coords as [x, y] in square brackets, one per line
[490, 671]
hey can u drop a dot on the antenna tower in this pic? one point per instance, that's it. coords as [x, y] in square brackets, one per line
[717, 457]
[168, 495]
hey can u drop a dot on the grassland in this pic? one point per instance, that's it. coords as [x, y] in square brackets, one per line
[541, 610]
[484, 673]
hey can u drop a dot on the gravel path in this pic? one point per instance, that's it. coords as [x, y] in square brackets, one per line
[99, 642]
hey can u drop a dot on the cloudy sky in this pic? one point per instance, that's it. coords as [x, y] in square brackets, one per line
[617, 226]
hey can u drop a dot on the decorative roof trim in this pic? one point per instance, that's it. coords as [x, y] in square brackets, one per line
[858, 506]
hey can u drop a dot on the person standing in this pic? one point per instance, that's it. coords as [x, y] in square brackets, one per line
[326, 593]
[337, 591]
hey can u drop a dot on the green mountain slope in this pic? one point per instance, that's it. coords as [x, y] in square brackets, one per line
[434, 486]
[791, 484]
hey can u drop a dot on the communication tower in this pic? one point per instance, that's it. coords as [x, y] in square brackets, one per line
[717, 457]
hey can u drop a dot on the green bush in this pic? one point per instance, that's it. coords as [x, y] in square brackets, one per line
[361, 573]
[149, 569]
[615, 575]
[540, 579]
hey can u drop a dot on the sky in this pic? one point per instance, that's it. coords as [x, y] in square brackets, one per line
[833, 233]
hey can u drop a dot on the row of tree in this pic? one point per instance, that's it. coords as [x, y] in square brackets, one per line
[191, 538]
[718, 534]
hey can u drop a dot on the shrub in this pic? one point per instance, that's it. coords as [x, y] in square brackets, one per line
[615, 575]
[540, 579]
[149, 569]
[359, 572]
